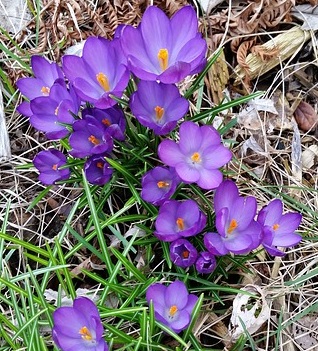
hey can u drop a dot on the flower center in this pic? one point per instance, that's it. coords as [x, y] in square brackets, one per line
[233, 225]
[196, 157]
[163, 57]
[103, 81]
[159, 112]
[54, 167]
[185, 254]
[93, 140]
[85, 333]
[173, 310]
[45, 91]
[276, 226]
[106, 121]
[100, 165]
[162, 184]
[180, 223]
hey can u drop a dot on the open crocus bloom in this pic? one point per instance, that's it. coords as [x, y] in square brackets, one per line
[78, 328]
[99, 73]
[158, 106]
[177, 219]
[45, 74]
[173, 305]
[164, 49]
[197, 156]
[237, 231]
[278, 228]
[48, 163]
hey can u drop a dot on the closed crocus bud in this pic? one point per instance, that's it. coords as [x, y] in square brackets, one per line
[183, 253]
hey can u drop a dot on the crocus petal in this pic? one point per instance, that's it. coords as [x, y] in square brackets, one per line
[288, 223]
[86, 306]
[271, 214]
[175, 73]
[176, 295]
[239, 244]
[190, 138]
[187, 172]
[273, 251]
[222, 220]
[243, 210]
[181, 322]
[216, 156]
[225, 195]
[169, 153]
[210, 178]
[156, 293]
[214, 244]
[192, 300]
[286, 240]
[63, 314]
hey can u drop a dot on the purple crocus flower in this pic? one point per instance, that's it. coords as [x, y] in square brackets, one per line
[89, 138]
[158, 185]
[278, 229]
[49, 112]
[165, 49]
[197, 156]
[48, 163]
[158, 106]
[238, 232]
[99, 73]
[205, 263]
[183, 253]
[45, 74]
[177, 219]
[112, 118]
[173, 304]
[79, 328]
[97, 170]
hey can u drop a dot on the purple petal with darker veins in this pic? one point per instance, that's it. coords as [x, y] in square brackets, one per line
[63, 314]
[176, 295]
[156, 293]
[216, 156]
[192, 52]
[254, 230]
[243, 210]
[184, 26]
[225, 195]
[271, 214]
[215, 244]
[86, 306]
[222, 220]
[30, 87]
[25, 109]
[273, 251]
[187, 172]
[192, 300]
[48, 71]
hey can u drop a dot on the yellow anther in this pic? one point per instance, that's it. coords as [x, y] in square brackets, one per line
[173, 310]
[196, 157]
[180, 223]
[45, 91]
[163, 57]
[276, 226]
[159, 112]
[185, 254]
[106, 122]
[103, 81]
[161, 184]
[54, 167]
[93, 140]
[233, 225]
[100, 165]
[85, 333]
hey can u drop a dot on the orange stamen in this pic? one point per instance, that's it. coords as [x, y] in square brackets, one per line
[233, 225]
[159, 112]
[180, 223]
[276, 226]
[54, 167]
[161, 184]
[173, 310]
[45, 91]
[103, 81]
[106, 122]
[86, 334]
[163, 57]
[100, 165]
[196, 157]
[93, 140]
[185, 254]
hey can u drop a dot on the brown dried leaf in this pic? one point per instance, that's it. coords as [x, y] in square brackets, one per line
[305, 116]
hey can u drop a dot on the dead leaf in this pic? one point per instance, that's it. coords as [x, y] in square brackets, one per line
[308, 15]
[305, 116]
[249, 312]
[208, 5]
[309, 157]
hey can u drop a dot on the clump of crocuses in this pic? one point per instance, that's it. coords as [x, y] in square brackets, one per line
[173, 305]
[79, 328]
